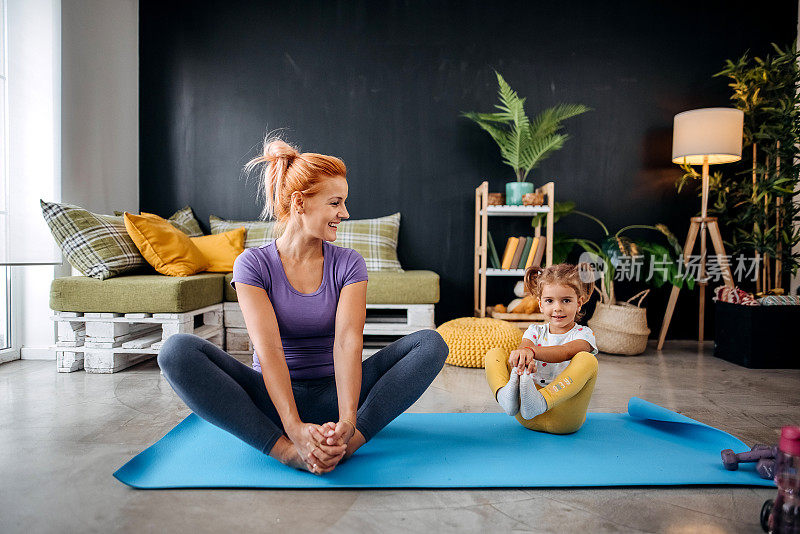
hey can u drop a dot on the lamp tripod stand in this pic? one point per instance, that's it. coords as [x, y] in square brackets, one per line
[699, 225]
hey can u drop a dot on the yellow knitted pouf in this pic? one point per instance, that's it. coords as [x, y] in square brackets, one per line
[470, 338]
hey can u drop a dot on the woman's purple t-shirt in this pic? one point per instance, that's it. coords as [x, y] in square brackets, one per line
[305, 320]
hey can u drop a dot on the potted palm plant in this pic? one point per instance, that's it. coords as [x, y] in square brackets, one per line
[524, 143]
[620, 326]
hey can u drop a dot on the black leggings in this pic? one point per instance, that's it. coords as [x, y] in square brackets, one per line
[232, 396]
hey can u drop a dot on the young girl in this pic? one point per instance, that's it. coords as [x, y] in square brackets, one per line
[548, 380]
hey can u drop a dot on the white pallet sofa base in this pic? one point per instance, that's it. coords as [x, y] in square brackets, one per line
[110, 342]
[384, 322]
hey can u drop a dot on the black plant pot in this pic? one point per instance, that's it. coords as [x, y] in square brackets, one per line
[758, 337]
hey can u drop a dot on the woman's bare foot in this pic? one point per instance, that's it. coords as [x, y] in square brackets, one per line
[292, 459]
[354, 444]
[285, 452]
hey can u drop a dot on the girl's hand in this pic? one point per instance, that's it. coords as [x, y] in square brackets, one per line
[522, 359]
[514, 357]
[529, 365]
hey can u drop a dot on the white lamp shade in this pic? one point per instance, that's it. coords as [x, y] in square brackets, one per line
[712, 133]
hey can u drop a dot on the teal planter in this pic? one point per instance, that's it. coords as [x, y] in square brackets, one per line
[515, 190]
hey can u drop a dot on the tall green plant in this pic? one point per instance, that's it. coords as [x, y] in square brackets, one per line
[524, 143]
[755, 204]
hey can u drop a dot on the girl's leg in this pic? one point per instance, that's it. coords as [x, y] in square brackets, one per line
[396, 376]
[221, 390]
[504, 387]
[567, 397]
[497, 371]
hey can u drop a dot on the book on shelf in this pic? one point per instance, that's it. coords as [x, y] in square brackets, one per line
[494, 259]
[518, 252]
[508, 253]
[537, 259]
[531, 252]
[523, 259]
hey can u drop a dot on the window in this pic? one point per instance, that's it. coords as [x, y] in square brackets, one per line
[5, 271]
[5, 307]
[31, 85]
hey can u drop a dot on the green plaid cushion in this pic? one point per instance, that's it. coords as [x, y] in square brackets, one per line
[258, 232]
[374, 239]
[184, 220]
[97, 245]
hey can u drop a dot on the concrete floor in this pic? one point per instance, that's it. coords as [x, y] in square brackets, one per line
[62, 435]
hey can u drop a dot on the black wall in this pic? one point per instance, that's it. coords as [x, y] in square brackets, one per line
[381, 85]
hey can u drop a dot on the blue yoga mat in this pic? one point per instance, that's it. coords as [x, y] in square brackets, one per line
[649, 445]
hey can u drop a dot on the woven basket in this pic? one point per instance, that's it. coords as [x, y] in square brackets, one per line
[621, 328]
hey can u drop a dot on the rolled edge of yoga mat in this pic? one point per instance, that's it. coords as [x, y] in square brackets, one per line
[642, 409]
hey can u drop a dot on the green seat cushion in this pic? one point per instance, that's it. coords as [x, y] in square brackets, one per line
[230, 293]
[386, 287]
[403, 287]
[149, 293]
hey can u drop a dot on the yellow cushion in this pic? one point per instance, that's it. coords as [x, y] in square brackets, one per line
[470, 338]
[221, 249]
[166, 248]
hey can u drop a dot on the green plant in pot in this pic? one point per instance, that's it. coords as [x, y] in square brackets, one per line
[757, 205]
[620, 326]
[524, 143]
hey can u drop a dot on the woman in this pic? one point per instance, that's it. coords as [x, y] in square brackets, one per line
[304, 303]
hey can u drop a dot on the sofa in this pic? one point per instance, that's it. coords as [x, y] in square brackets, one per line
[108, 324]
[152, 307]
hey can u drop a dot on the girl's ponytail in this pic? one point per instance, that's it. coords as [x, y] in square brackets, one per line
[531, 277]
[587, 277]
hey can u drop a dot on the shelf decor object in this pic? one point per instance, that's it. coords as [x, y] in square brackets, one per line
[482, 213]
[497, 199]
[532, 199]
[524, 142]
[704, 137]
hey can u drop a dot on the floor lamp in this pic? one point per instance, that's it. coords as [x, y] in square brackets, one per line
[704, 137]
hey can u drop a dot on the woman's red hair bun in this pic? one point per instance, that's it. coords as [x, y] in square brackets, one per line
[278, 149]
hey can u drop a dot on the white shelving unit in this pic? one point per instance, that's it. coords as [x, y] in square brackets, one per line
[514, 211]
[505, 272]
[482, 213]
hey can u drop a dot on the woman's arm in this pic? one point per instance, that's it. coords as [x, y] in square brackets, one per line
[351, 314]
[262, 327]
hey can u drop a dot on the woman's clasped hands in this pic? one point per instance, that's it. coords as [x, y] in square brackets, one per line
[322, 447]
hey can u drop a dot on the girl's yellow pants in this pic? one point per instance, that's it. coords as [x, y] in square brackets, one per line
[567, 396]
